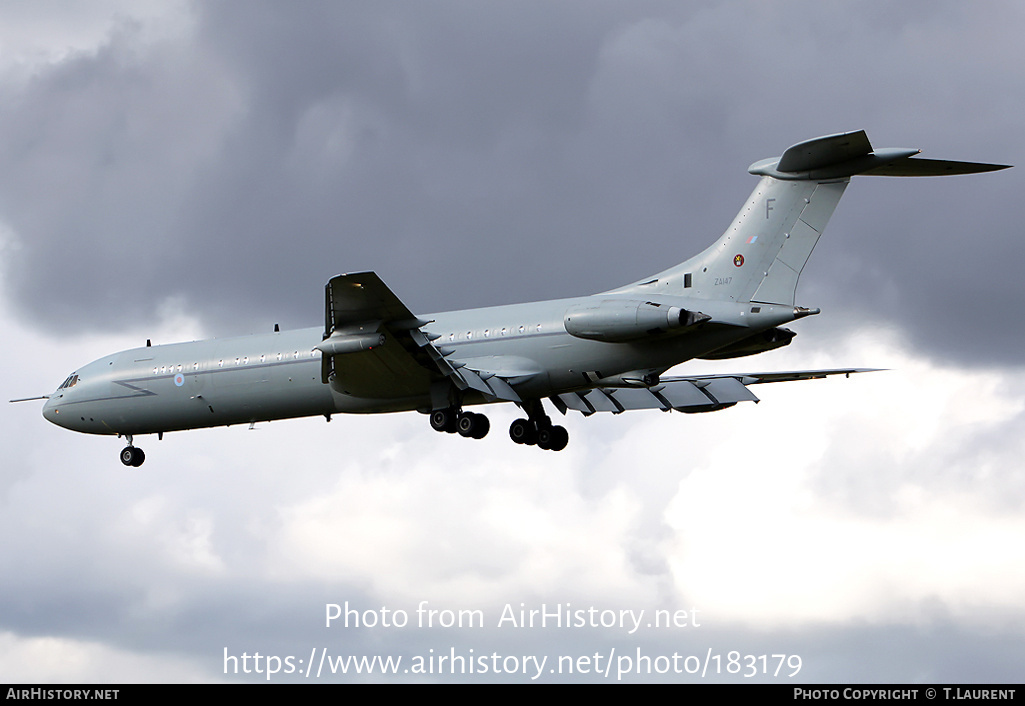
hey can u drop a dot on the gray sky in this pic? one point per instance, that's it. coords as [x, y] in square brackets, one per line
[177, 170]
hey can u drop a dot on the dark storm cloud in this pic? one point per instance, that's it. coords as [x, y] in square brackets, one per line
[514, 152]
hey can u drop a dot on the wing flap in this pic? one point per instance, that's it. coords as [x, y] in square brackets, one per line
[502, 389]
[728, 391]
[683, 393]
[602, 401]
[637, 398]
[700, 393]
[577, 401]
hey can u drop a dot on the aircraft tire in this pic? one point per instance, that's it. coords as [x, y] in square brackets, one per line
[482, 426]
[472, 426]
[132, 456]
[559, 438]
[444, 420]
[544, 438]
[552, 438]
[522, 431]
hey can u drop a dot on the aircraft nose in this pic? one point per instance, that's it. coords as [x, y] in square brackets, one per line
[51, 413]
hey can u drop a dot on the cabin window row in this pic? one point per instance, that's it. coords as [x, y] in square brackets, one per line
[239, 361]
[489, 332]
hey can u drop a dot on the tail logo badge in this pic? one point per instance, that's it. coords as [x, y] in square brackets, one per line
[738, 260]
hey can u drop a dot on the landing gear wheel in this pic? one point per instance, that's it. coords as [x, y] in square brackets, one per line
[444, 420]
[559, 437]
[522, 431]
[538, 429]
[544, 438]
[132, 456]
[473, 426]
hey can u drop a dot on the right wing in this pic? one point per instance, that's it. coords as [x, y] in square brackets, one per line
[698, 393]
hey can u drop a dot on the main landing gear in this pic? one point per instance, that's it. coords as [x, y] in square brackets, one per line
[453, 420]
[538, 429]
[132, 455]
[548, 437]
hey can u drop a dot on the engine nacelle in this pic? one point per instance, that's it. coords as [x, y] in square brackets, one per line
[338, 343]
[759, 343]
[617, 320]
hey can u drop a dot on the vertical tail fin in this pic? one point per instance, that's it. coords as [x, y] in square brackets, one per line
[792, 245]
[760, 256]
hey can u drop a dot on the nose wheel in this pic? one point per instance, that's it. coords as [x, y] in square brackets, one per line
[132, 455]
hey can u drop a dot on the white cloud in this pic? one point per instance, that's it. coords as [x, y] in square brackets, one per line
[44, 33]
[820, 507]
[464, 522]
[38, 660]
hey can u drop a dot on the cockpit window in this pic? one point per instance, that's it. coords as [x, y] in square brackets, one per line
[70, 382]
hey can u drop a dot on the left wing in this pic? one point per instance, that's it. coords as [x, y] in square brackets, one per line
[699, 393]
[368, 346]
[373, 347]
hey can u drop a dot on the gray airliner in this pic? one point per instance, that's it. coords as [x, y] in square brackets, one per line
[606, 352]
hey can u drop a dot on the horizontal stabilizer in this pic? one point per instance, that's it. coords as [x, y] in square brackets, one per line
[913, 167]
[849, 153]
[825, 151]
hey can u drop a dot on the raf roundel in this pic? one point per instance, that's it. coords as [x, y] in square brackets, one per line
[179, 379]
[738, 260]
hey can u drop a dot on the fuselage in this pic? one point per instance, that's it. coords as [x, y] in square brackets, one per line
[264, 377]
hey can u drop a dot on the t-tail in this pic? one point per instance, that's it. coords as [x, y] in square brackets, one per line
[761, 255]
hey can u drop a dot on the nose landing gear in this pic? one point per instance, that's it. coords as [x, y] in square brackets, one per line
[132, 455]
